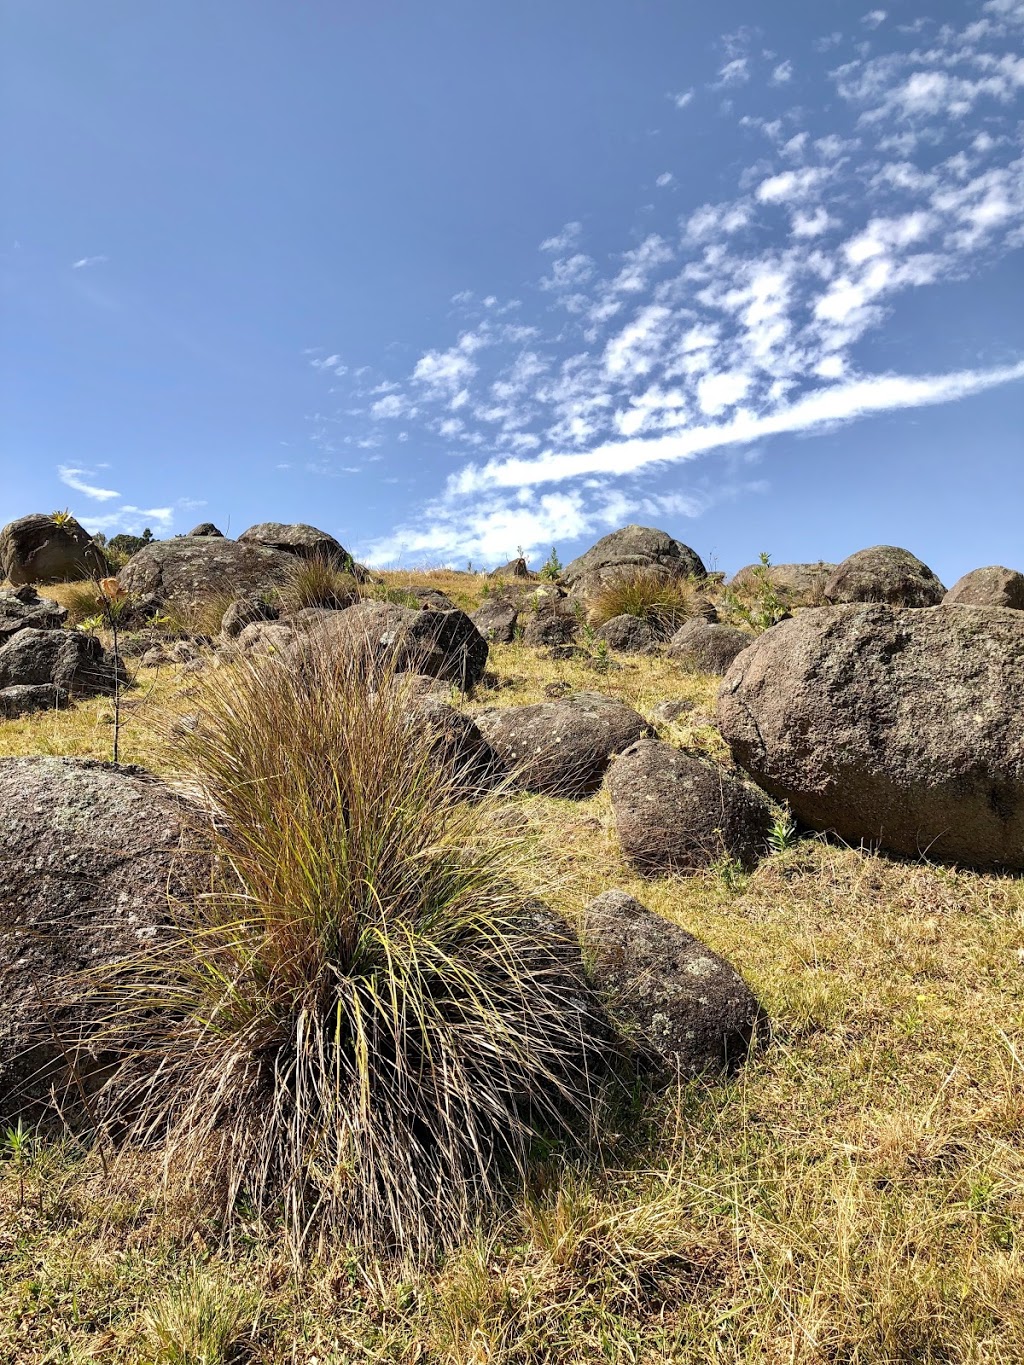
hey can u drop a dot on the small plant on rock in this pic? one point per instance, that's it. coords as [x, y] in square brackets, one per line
[551, 569]
[760, 606]
[783, 833]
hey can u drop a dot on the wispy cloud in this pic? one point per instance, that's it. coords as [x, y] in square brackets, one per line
[738, 321]
[76, 479]
[84, 262]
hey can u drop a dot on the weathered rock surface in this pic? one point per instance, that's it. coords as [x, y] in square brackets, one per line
[496, 621]
[35, 549]
[189, 568]
[676, 812]
[441, 644]
[205, 528]
[884, 573]
[707, 647]
[22, 699]
[799, 584]
[990, 587]
[634, 547]
[683, 1008]
[243, 612]
[88, 854]
[455, 737]
[548, 619]
[70, 660]
[896, 726]
[297, 539]
[20, 607]
[628, 634]
[264, 638]
[561, 748]
[515, 568]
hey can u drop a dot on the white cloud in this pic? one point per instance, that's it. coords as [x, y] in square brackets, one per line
[562, 241]
[682, 99]
[736, 72]
[84, 262]
[874, 18]
[75, 478]
[782, 73]
[133, 520]
[791, 186]
[664, 179]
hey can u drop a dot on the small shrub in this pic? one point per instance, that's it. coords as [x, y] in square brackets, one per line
[783, 833]
[551, 569]
[318, 582]
[63, 518]
[664, 603]
[363, 1027]
[761, 605]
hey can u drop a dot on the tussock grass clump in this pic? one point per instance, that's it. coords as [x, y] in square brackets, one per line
[318, 581]
[664, 603]
[200, 616]
[366, 1023]
[202, 1319]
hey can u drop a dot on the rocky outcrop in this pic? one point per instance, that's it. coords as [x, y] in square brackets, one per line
[990, 587]
[298, 539]
[885, 573]
[685, 1010]
[633, 547]
[548, 618]
[441, 644]
[40, 549]
[707, 647]
[190, 568]
[21, 700]
[21, 607]
[205, 528]
[89, 854]
[560, 748]
[496, 621]
[800, 585]
[896, 726]
[515, 568]
[243, 612]
[676, 812]
[74, 663]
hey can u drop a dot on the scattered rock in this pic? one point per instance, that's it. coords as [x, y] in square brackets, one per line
[685, 1010]
[430, 599]
[675, 812]
[991, 587]
[70, 660]
[298, 539]
[454, 737]
[885, 573]
[191, 568]
[561, 654]
[205, 528]
[88, 856]
[555, 690]
[20, 607]
[628, 634]
[496, 621]
[549, 620]
[801, 585]
[442, 644]
[22, 699]
[561, 748]
[265, 637]
[243, 612]
[707, 647]
[633, 547]
[37, 549]
[890, 725]
[515, 568]
[673, 710]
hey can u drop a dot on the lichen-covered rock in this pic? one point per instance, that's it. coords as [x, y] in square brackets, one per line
[22, 700]
[205, 528]
[884, 573]
[191, 568]
[634, 547]
[548, 619]
[496, 621]
[684, 1009]
[243, 612]
[895, 726]
[990, 587]
[676, 812]
[89, 854]
[21, 607]
[298, 539]
[561, 748]
[628, 635]
[39, 549]
[70, 660]
[706, 646]
[441, 644]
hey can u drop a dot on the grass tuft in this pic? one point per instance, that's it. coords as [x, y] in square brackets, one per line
[202, 1319]
[664, 603]
[318, 582]
[365, 1025]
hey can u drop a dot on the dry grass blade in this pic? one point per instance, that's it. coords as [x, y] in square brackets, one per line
[664, 603]
[366, 1023]
[318, 581]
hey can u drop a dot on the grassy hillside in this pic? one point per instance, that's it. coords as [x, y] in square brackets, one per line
[856, 1194]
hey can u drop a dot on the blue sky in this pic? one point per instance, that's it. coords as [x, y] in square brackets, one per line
[456, 278]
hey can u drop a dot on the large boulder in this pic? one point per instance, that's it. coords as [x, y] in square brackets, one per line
[548, 618]
[991, 587]
[800, 585]
[298, 539]
[561, 748]
[243, 611]
[189, 568]
[454, 737]
[677, 812]
[89, 855]
[629, 635]
[890, 725]
[496, 621]
[22, 699]
[684, 1009]
[71, 661]
[40, 549]
[632, 547]
[884, 573]
[23, 607]
[515, 568]
[440, 644]
[707, 646]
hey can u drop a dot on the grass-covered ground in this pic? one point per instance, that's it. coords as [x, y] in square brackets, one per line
[855, 1195]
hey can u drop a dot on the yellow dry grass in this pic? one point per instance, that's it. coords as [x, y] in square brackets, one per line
[855, 1196]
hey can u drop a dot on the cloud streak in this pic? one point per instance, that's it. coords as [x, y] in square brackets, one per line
[75, 478]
